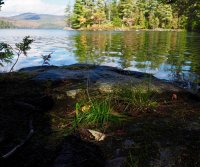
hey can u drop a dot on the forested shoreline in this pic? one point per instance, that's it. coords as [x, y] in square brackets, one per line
[6, 25]
[134, 14]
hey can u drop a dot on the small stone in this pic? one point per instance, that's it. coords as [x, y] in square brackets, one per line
[73, 93]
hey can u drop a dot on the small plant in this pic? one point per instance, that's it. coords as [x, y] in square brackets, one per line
[95, 113]
[138, 97]
[7, 52]
[46, 59]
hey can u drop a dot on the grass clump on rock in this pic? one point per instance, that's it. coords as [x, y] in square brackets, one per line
[137, 98]
[97, 112]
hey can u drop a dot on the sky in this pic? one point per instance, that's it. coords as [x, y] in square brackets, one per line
[15, 7]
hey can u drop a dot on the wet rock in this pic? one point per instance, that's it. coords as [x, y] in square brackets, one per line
[117, 162]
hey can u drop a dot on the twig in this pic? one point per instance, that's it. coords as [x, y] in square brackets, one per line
[22, 143]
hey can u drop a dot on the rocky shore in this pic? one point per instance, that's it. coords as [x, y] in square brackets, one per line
[159, 125]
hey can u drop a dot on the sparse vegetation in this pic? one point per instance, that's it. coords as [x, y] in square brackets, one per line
[138, 98]
[97, 113]
[149, 131]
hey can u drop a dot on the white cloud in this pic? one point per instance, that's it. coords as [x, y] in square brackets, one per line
[14, 7]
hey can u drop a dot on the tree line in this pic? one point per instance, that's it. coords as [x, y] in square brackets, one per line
[138, 14]
[6, 24]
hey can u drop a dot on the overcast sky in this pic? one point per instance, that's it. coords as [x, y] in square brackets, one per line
[14, 7]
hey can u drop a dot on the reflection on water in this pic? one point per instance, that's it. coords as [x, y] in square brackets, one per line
[168, 55]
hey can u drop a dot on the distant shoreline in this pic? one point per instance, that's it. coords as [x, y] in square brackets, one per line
[100, 29]
[121, 29]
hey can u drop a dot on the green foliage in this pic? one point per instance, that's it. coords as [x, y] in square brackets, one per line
[24, 46]
[149, 14]
[7, 52]
[95, 113]
[5, 24]
[138, 97]
[1, 3]
[117, 22]
[77, 14]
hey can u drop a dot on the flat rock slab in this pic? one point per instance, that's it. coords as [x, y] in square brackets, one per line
[99, 76]
[81, 71]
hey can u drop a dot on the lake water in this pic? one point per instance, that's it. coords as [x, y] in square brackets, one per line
[174, 56]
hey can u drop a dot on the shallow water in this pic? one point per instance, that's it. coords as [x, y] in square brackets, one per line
[173, 56]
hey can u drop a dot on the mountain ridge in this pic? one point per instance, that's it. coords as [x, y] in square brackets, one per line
[36, 21]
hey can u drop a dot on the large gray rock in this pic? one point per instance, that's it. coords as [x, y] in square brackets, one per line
[101, 78]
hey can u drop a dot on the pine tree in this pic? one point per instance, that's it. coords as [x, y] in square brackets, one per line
[115, 14]
[126, 11]
[77, 14]
[89, 7]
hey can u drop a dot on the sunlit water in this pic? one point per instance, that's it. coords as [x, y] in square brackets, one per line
[173, 56]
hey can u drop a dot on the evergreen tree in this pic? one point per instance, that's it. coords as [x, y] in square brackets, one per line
[164, 13]
[89, 7]
[99, 15]
[149, 14]
[77, 14]
[115, 14]
[126, 11]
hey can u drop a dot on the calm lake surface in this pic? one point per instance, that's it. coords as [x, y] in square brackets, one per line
[174, 56]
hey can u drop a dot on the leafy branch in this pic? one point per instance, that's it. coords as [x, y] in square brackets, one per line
[7, 51]
[1, 3]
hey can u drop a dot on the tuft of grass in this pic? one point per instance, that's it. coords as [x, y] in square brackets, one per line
[95, 113]
[139, 98]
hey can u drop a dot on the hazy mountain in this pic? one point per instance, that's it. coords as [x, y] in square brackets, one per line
[33, 20]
